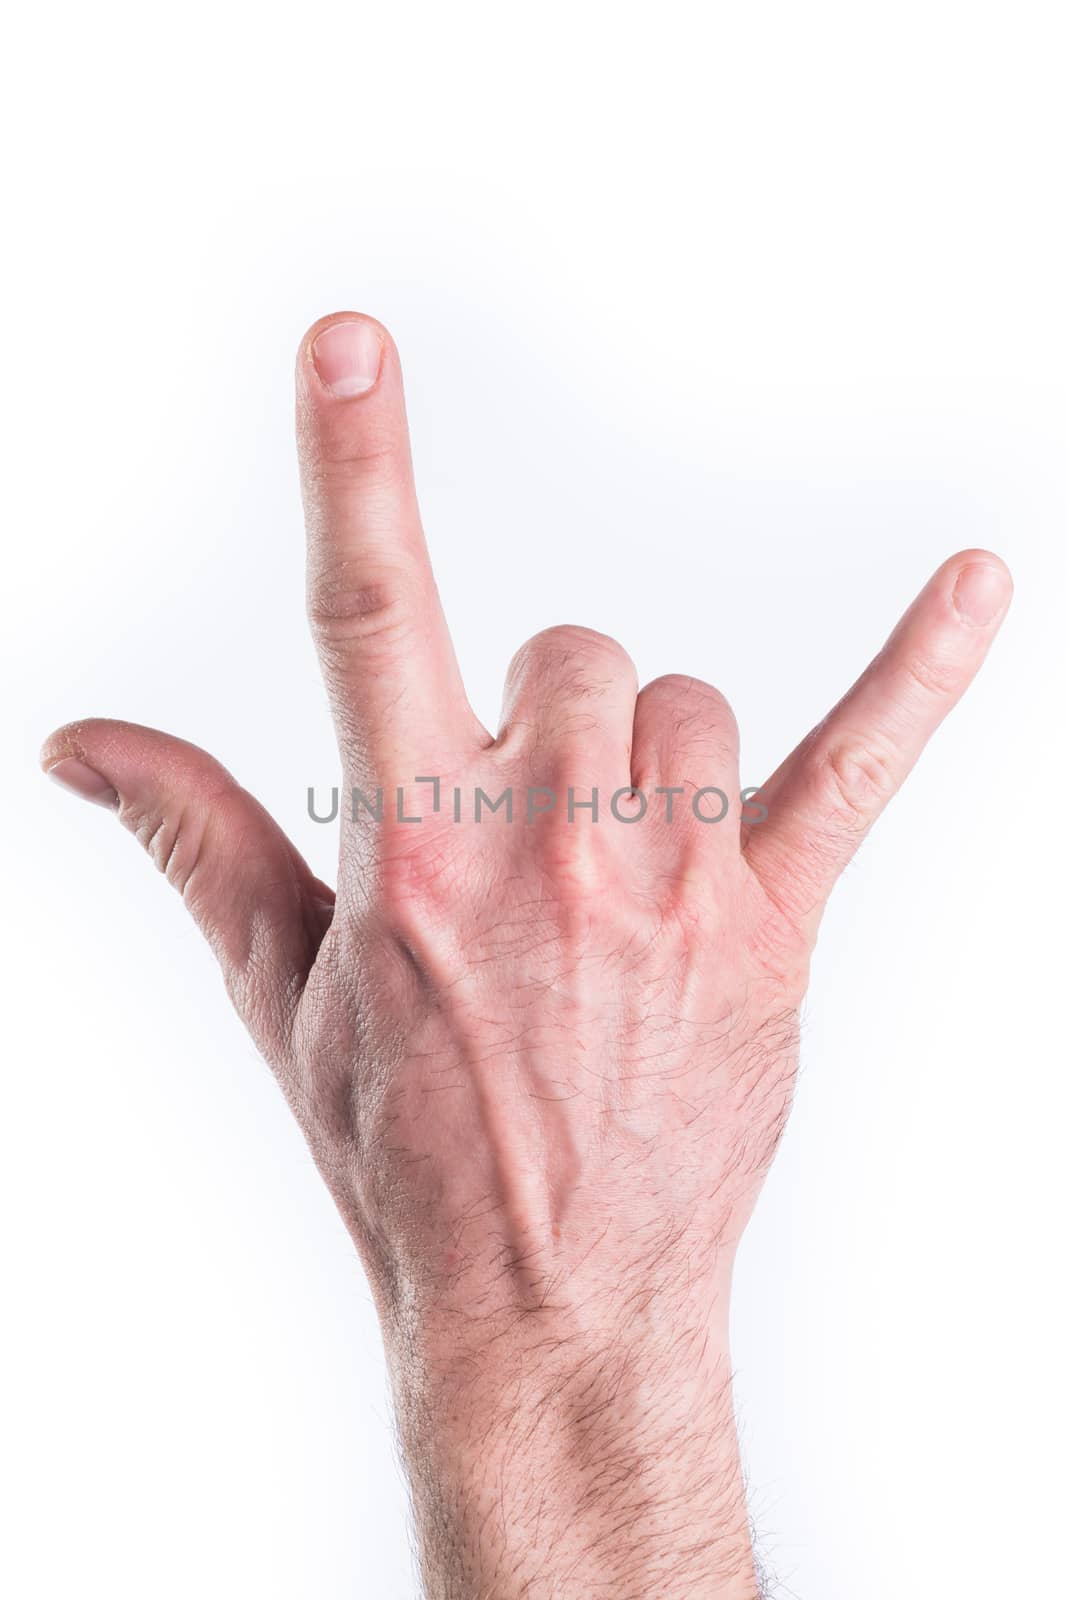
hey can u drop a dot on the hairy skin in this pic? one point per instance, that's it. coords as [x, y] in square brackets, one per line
[580, 1072]
[543, 1065]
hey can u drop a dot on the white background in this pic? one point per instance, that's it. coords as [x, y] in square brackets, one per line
[722, 325]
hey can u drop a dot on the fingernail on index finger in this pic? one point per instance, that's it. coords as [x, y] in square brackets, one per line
[347, 357]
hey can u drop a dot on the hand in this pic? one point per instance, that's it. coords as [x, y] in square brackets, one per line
[542, 1064]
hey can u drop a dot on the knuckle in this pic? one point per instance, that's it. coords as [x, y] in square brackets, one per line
[682, 689]
[676, 686]
[697, 711]
[344, 605]
[336, 458]
[175, 844]
[859, 780]
[932, 676]
[584, 656]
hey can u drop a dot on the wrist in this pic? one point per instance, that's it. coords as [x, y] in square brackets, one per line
[563, 1466]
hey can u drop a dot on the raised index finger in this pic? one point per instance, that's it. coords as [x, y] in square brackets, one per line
[383, 643]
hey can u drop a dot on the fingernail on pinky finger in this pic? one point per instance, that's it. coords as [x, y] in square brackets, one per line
[981, 593]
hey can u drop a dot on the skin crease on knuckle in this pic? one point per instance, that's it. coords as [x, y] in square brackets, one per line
[542, 1063]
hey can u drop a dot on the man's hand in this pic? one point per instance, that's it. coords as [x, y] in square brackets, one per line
[541, 1061]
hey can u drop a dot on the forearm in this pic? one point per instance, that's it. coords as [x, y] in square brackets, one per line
[569, 1471]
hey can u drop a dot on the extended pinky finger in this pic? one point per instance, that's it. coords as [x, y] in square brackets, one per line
[828, 792]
